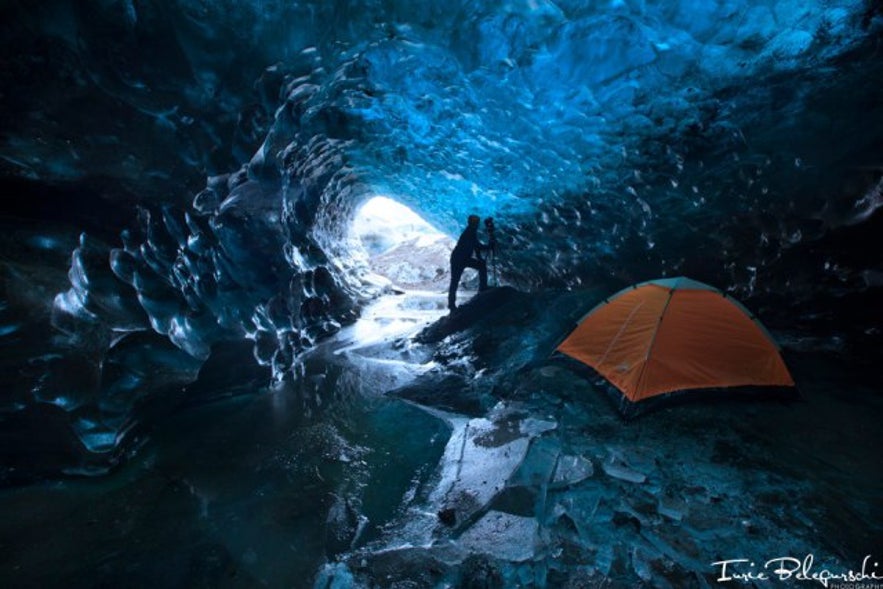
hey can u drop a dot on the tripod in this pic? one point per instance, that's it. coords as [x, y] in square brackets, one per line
[489, 226]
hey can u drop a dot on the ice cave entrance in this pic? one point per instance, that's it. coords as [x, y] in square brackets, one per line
[402, 246]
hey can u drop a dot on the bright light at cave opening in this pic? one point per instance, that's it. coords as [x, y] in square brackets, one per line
[413, 255]
[402, 246]
[383, 223]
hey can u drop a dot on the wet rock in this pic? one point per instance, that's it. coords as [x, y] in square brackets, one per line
[448, 517]
[479, 572]
[399, 568]
[450, 392]
[479, 309]
[342, 525]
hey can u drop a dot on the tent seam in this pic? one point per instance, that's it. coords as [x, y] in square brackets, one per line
[649, 354]
[619, 333]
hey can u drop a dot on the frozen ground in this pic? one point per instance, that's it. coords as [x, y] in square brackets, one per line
[433, 461]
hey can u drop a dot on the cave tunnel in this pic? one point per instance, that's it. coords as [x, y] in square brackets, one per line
[207, 383]
[401, 246]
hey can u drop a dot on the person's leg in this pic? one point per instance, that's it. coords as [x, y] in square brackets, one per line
[481, 266]
[456, 273]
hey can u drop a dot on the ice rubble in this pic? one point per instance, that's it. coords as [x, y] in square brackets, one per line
[340, 484]
[550, 488]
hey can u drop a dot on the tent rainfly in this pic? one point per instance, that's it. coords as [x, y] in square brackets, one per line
[675, 334]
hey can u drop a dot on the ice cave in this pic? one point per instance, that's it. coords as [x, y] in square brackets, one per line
[228, 359]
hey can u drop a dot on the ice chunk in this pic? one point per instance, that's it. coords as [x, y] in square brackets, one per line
[334, 576]
[685, 560]
[623, 473]
[538, 464]
[571, 470]
[99, 441]
[672, 509]
[534, 427]
[642, 563]
[479, 459]
[504, 536]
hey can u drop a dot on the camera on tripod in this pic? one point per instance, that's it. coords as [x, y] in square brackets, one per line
[489, 227]
[492, 245]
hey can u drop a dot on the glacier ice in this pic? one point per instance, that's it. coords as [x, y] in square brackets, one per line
[182, 177]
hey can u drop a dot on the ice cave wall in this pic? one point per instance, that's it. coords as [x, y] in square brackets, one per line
[735, 142]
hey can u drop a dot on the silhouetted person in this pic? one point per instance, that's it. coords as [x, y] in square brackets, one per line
[467, 254]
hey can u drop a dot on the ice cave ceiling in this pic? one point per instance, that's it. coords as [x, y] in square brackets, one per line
[214, 153]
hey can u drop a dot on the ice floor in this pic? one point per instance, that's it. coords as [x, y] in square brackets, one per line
[469, 475]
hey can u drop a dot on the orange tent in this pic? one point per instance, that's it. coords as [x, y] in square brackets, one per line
[675, 334]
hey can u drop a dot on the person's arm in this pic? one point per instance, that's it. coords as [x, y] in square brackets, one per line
[481, 247]
[485, 247]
